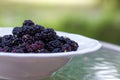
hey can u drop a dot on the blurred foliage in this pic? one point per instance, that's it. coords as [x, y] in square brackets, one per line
[106, 28]
[100, 21]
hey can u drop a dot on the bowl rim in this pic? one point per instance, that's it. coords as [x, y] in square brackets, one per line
[60, 54]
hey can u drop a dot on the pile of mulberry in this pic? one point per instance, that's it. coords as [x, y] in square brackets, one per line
[33, 38]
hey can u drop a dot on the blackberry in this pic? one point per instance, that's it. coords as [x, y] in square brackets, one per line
[7, 37]
[29, 30]
[24, 46]
[16, 41]
[28, 23]
[38, 36]
[73, 44]
[38, 45]
[27, 38]
[66, 48]
[53, 44]
[48, 35]
[39, 28]
[62, 39]
[7, 40]
[35, 47]
[17, 31]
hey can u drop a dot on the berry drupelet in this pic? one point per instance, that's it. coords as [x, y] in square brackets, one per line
[32, 38]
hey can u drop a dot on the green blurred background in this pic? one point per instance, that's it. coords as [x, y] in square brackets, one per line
[99, 19]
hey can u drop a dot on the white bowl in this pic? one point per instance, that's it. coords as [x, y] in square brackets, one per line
[37, 66]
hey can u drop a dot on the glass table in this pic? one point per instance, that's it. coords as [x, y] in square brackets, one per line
[103, 64]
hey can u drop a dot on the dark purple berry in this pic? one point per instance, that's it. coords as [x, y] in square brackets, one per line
[7, 40]
[38, 45]
[53, 44]
[62, 39]
[16, 41]
[39, 28]
[17, 31]
[29, 30]
[6, 37]
[66, 48]
[28, 23]
[35, 47]
[38, 36]
[48, 35]
[56, 50]
[73, 45]
[27, 39]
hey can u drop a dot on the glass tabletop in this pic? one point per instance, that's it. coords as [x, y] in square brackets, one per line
[103, 64]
